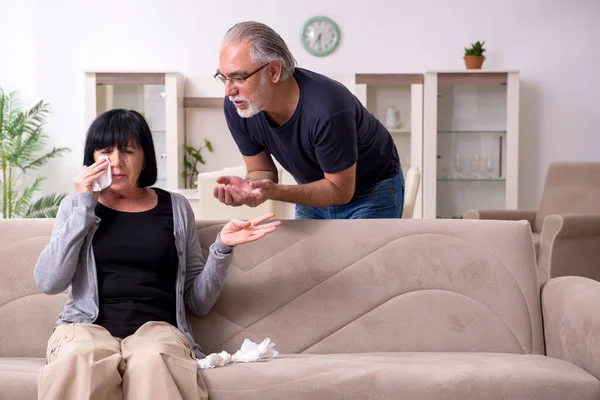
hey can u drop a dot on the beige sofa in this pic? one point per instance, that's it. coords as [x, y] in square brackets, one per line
[363, 309]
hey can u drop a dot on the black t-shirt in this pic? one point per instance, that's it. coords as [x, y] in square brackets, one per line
[329, 131]
[136, 263]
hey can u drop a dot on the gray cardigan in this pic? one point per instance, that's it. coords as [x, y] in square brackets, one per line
[68, 260]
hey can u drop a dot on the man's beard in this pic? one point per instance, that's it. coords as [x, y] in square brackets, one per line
[253, 107]
[251, 110]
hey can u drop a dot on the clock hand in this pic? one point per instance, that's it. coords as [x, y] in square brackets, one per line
[318, 41]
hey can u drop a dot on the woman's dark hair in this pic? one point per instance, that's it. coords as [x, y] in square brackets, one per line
[119, 127]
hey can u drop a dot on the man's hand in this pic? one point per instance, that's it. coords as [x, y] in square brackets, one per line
[238, 232]
[236, 191]
[267, 187]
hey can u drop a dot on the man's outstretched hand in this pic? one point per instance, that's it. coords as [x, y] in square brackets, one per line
[236, 191]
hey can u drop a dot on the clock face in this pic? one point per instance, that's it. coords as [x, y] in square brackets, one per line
[320, 36]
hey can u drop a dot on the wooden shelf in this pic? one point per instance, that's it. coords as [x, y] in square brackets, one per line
[399, 131]
[203, 102]
[388, 79]
[473, 77]
[130, 78]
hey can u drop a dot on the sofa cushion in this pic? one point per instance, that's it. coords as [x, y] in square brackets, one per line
[27, 316]
[350, 286]
[18, 377]
[372, 376]
[403, 376]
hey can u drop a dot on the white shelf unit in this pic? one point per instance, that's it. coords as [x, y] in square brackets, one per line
[470, 141]
[404, 92]
[160, 97]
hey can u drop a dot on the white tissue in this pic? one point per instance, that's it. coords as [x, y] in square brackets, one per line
[105, 179]
[215, 360]
[249, 352]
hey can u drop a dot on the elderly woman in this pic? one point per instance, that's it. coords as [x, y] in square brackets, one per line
[131, 258]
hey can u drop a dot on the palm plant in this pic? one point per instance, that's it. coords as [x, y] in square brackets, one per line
[22, 141]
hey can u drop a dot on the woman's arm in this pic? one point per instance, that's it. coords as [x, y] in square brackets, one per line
[57, 263]
[204, 280]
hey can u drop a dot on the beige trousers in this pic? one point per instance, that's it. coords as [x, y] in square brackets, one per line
[83, 361]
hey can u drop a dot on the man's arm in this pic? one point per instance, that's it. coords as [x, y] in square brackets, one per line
[261, 166]
[333, 189]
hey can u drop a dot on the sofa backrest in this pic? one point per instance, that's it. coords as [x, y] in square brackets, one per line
[27, 316]
[331, 286]
[571, 187]
[380, 285]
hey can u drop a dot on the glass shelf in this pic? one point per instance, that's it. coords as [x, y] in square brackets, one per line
[472, 180]
[474, 131]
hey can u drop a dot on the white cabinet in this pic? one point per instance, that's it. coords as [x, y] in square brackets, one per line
[470, 142]
[159, 96]
[397, 101]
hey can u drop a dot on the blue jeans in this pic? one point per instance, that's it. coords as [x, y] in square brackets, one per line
[384, 200]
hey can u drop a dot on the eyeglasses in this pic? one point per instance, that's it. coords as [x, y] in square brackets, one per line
[237, 79]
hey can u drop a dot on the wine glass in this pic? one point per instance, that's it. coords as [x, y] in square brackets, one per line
[489, 168]
[458, 167]
[476, 167]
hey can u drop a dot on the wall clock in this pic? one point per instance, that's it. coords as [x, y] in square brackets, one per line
[320, 36]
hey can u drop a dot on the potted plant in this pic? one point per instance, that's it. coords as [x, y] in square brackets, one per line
[22, 151]
[474, 55]
[190, 165]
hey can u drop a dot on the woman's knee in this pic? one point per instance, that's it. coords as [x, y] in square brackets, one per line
[155, 352]
[86, 350]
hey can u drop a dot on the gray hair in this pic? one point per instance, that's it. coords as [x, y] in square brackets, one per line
[265, 45]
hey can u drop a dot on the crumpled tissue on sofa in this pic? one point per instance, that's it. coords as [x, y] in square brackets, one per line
[248, 352]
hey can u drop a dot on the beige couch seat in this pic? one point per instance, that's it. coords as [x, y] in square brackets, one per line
[404, 376]
[18, 377]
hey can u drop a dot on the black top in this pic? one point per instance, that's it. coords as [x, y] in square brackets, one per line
[329, 131]
[136, 262]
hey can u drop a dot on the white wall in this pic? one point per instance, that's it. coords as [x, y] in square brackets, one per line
[46, 47]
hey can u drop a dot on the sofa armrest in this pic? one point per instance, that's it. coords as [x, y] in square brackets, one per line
[571, 225]
[509, 215]
[570, 245]
[571, 312]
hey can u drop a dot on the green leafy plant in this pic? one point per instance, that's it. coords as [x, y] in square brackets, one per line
[476, 49]
[191, 158]
[45, 207]
[22, 142]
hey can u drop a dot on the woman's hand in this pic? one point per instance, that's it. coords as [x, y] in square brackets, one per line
[88, 175]
[238, 232]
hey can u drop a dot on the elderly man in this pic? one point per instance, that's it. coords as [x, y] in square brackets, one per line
[344, 160]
